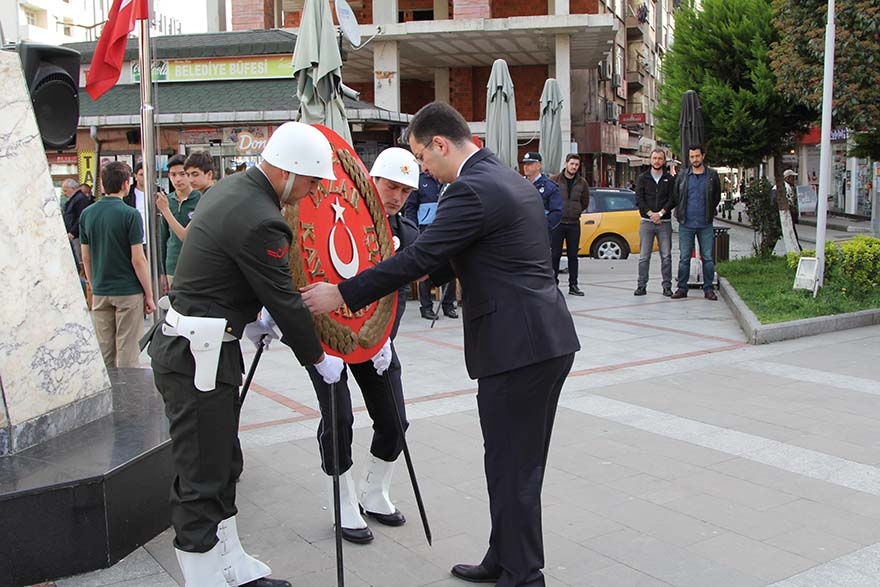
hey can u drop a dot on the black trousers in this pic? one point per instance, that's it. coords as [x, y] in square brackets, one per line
[447, 301]
[207, 457]
[571, 235]
[517, 410]
[387, 443]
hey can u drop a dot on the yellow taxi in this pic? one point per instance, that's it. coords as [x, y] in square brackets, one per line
[610, 225]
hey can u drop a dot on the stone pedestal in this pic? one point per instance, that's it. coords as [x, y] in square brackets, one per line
[52, 376]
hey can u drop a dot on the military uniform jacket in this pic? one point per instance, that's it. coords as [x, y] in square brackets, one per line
[491, 231]
[233, 262]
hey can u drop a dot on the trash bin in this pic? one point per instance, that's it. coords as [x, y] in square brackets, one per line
[721, 250]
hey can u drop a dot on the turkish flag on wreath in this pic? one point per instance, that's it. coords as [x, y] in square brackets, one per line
[107, 61]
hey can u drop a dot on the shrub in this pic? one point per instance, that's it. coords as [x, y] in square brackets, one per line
[764, 215]
[860, 264]
[832, 258]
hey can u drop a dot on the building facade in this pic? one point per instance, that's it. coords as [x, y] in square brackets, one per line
[606, 56]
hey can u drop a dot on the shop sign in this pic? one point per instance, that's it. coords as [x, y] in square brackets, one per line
[219, 68]
[87, 167]
[631, 118]
[201, 135]
[62, 159]
[247, 140]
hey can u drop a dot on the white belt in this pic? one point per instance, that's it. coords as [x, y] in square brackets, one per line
[206, 336]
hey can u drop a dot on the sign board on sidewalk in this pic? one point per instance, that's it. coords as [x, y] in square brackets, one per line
[807, 271]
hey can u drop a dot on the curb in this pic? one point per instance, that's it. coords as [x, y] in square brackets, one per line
[757, 333]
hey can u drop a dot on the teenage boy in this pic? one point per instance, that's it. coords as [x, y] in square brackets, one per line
[177, 210]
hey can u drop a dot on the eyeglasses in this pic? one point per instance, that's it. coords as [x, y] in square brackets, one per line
[419, 157]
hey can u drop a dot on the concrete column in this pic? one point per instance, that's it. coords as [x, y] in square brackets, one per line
[385, 12]
[386, 71]
[563, 78]
[441, 84]
[441, 9]
[216, 10]
[558, 7]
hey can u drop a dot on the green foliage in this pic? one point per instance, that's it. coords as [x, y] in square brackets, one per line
[763, 215]
[722, 52]
[765, 285]
[832, 258]
[860, 265]
[798, 57]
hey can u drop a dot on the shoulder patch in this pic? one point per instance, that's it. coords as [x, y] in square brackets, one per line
[278, 252]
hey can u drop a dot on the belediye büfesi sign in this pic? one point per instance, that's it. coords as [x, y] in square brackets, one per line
[218, 68]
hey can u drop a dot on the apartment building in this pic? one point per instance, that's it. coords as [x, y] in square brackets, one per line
[605, 54]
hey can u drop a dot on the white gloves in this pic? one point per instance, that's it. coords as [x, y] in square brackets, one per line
[330, 368]
[382, 360]
[264, 327]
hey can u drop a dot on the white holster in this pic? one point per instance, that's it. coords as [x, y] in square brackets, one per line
[206, 336]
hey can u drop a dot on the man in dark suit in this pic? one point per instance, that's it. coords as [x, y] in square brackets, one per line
[519, 338]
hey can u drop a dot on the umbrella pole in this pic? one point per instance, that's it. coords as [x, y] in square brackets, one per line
[440, 303]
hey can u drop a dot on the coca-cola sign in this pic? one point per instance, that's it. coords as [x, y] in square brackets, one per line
[631, 118]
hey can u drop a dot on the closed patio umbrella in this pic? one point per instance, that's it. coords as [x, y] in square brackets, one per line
[501, 115]
[317, 68]
[690, 123]
[550, 145]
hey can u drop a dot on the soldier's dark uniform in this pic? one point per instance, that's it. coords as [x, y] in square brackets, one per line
[387, 444]
[235, 260]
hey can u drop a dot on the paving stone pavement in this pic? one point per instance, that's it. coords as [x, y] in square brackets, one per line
[681, 457]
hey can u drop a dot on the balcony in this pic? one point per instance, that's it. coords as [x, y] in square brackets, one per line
[636, 21]
[635, 78]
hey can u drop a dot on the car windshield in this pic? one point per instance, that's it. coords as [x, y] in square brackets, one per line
[611, 200]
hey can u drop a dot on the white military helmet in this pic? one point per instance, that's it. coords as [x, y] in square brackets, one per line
[301, 149]
[397, 165]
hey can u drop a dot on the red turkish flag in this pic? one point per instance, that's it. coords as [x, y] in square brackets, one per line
[107, 61]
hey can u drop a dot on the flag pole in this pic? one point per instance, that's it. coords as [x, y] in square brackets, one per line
[148, 155]
[825, 147]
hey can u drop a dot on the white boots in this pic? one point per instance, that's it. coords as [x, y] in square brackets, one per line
[205, 569]
[225, 565]
[375, 493]
[246, 567]
[354, 528]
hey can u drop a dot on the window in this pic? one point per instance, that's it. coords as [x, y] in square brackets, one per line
[31, 17]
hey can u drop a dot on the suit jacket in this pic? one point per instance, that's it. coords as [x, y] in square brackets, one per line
[235, 261]
[491, 231]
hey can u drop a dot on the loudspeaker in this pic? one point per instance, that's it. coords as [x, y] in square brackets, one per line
[52, 77]
[133, 136]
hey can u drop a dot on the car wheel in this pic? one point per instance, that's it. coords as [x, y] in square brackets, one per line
[610, 248]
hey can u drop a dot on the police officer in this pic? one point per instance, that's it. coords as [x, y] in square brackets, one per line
[420, 207]
[550, 195]
[235, 261]
[395, 173]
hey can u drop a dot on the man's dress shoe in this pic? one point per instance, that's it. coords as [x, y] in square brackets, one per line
[267, 582]
[357, 535]
[475, 573]
[450, 313]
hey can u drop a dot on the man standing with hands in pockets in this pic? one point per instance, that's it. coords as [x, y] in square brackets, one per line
[519, 338]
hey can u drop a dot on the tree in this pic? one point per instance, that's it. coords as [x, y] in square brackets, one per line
[723, 52]
[798, 61]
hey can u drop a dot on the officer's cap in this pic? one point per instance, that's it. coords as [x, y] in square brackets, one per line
[531, 157]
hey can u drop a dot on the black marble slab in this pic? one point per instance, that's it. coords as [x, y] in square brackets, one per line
[85, 499]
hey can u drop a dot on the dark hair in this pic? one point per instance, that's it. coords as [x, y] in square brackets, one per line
[114, 175]
[659, 150]
[200, 159]
[697, 148]
[438, 119]
[177, 160]
[571, 156]
[137, 167]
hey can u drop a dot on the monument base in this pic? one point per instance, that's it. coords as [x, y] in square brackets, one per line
[85, 499]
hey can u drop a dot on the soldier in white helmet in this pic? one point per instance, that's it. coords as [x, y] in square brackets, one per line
[235, 261]
[396, 174]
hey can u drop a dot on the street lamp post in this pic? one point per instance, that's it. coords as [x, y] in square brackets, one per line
[825, 148]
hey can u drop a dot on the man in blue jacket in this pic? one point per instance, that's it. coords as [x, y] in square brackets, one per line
[550, 195]
[420, 207]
